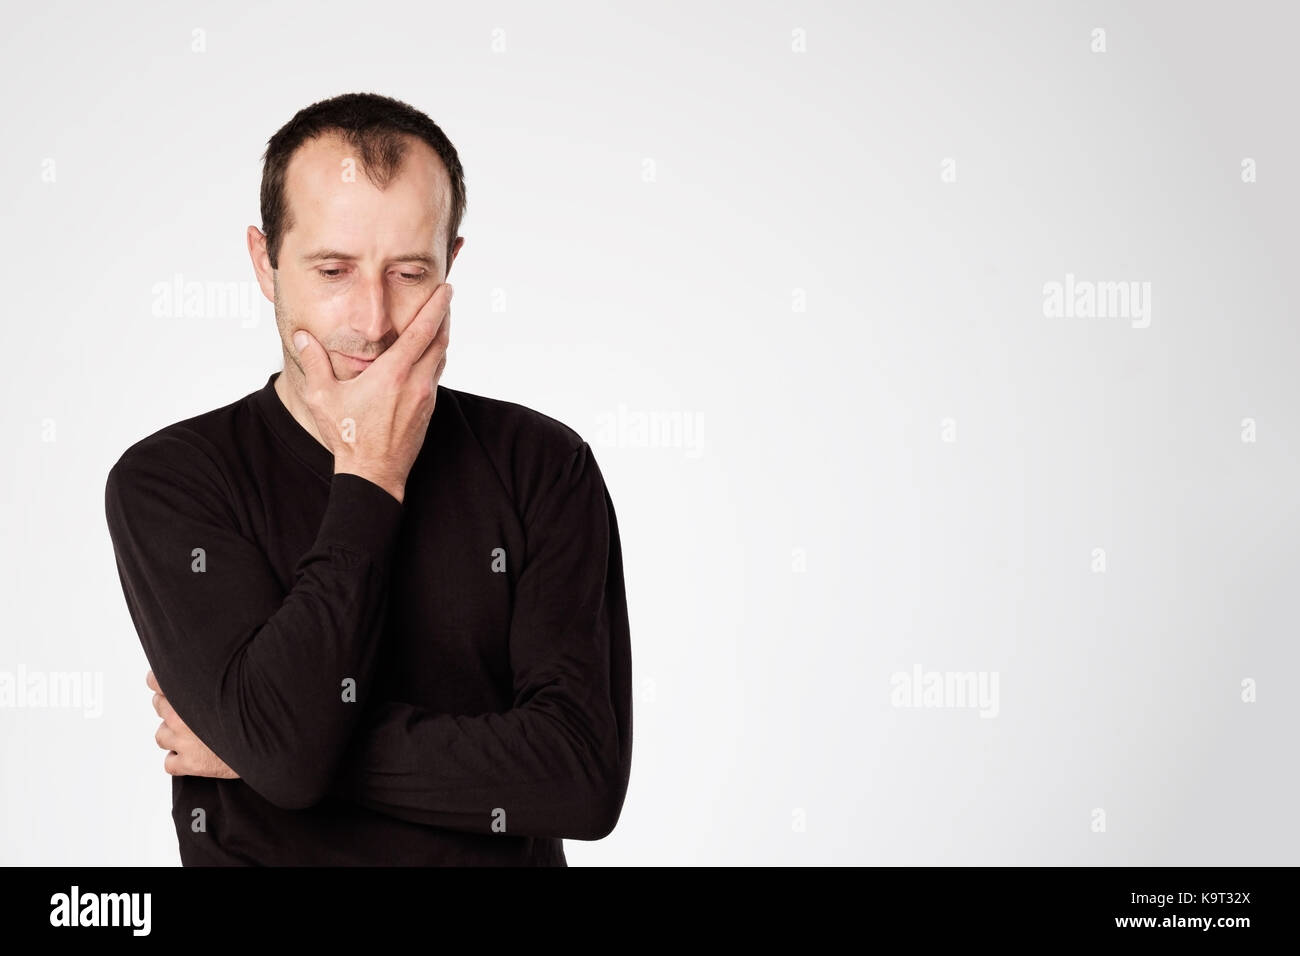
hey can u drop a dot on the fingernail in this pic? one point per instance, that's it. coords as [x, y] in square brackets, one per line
[299, 340]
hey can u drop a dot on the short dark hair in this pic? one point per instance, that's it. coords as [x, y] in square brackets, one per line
[376, 127]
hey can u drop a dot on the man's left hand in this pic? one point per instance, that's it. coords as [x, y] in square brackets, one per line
[187, 755]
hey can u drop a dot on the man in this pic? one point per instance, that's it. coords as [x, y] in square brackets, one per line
[386, 619]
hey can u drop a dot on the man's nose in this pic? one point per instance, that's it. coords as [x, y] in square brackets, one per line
[370, 313]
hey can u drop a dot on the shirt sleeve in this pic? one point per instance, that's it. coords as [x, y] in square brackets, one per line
[255, 672]
[557, 763]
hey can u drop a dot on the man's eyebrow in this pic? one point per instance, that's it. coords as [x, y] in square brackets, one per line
[320, 255]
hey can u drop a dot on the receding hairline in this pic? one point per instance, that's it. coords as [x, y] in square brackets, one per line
[380, 168]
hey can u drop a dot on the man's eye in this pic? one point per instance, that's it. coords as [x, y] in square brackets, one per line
[413, 276]
[329, 273]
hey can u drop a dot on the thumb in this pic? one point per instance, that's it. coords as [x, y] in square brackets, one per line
[309, 354]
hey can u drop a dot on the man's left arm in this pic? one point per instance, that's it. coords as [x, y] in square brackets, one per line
[557, 763]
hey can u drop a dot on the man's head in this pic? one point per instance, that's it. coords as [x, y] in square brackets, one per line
[362, 200]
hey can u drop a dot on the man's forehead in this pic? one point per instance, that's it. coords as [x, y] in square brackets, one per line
[326, 183]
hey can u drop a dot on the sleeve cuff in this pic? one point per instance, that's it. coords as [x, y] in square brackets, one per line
[360, 516]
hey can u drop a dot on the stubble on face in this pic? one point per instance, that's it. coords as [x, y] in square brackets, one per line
[284, 323]
[290, 384]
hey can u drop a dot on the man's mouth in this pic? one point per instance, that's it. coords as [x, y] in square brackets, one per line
[352, 361]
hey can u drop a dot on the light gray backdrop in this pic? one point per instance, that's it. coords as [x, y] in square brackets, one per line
[940, 359]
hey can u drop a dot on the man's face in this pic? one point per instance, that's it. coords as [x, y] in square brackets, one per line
[357, 263]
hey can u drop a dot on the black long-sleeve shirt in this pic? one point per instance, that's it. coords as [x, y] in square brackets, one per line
[442, 680]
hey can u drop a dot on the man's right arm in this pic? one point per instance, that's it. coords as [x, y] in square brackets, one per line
[258, 674]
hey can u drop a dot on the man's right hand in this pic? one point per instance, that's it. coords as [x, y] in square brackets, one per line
[375, 423]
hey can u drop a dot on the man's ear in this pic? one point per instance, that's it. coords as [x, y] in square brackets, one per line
[455, 251]
[261, 262]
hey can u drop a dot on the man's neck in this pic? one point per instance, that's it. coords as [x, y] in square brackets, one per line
[290, 392]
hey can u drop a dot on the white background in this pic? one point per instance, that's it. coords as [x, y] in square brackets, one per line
[698, 210]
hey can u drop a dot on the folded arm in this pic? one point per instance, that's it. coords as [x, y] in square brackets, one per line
[556, 764]
[256, 672]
